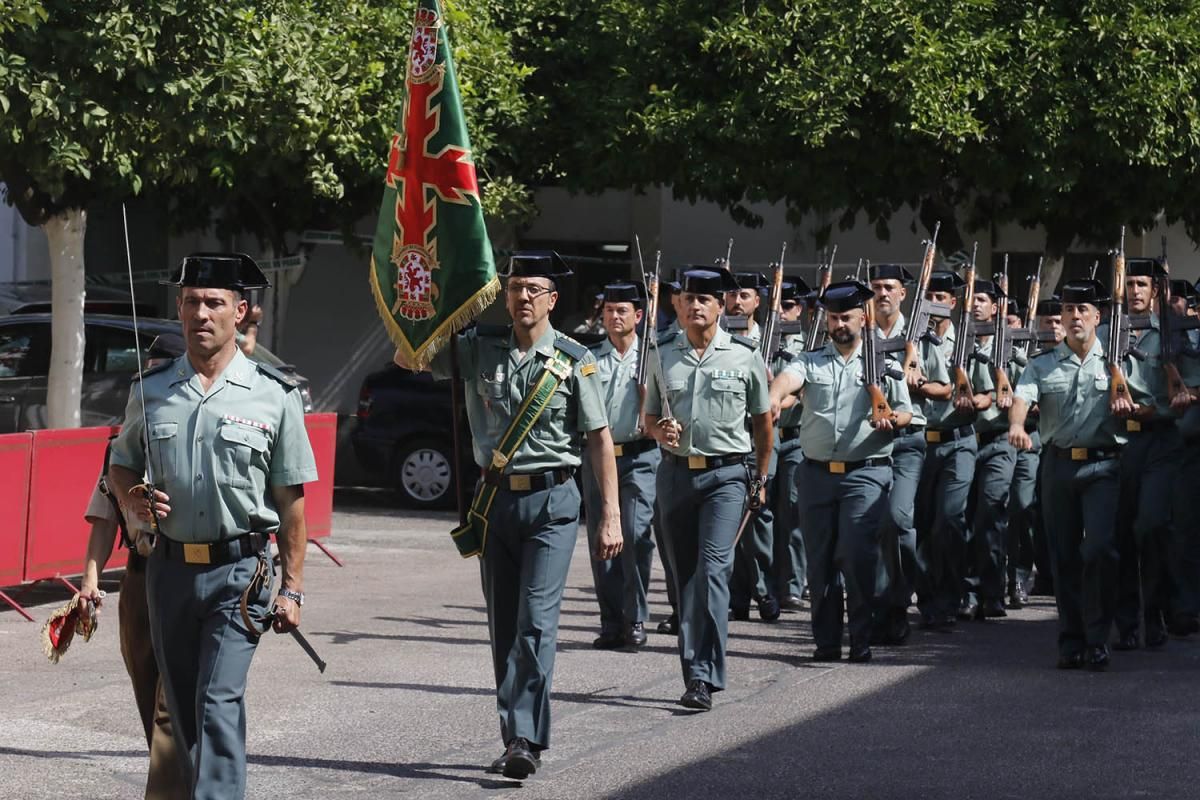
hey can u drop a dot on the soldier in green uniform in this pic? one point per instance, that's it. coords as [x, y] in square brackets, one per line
[1148, 463]
[622, 583]
[1022, 498]
[789, 565]
[526, 534]
[670, 625]
[1184, 547]
[710, 382]
[847, 471]
[229, 457]
[1081, 445]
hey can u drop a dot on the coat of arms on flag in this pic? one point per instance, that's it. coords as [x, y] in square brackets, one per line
[432, 269]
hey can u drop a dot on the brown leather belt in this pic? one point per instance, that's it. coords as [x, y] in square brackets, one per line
[526, 481]
[225, 551]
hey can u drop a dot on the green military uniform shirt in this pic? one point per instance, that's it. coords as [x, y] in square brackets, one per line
[618, 381]
[929, 362]
[1146, 378]
[710, 395]
[498, 378]
[992, 418]
[793, 345]
[836, 424]
[217, 453]
[1072, 398]
[941, 414]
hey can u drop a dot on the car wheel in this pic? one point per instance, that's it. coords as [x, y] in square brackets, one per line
[424, 473]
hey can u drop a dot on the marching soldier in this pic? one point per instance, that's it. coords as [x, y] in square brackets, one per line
[711, 381]
[1081, 445]
[1022, 498]
[670, 625]
[788, 560]
[847, 471]
[622, 583]
[230, 457]
[1185, 543]
[524, 518]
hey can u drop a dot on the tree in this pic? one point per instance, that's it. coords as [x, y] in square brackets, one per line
[275, 114]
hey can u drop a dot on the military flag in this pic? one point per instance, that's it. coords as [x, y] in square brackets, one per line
[432, 269]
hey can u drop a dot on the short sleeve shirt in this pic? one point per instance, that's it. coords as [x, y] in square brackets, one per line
[617, 374]
[1072, 397]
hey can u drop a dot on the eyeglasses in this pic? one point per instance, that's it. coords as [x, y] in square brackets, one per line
[532, 289]
[788, 305]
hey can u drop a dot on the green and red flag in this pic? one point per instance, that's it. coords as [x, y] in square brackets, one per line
[432, 269]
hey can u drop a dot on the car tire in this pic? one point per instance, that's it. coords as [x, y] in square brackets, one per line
[424, 473]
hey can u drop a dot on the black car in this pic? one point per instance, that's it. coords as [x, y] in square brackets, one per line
[109, 363]
[34, 298]
[404, 436]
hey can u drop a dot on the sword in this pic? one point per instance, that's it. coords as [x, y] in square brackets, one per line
[304, 645]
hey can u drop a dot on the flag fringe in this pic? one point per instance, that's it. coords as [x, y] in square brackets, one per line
[462, 316]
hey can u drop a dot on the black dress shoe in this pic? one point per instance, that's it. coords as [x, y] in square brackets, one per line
[1070, 661]
[670, 625]
[1127, 641]
[899, 630]
[992, 609]
[806, 594]
[1097, 658]
[827, 654]
[1184, 625]
[1156, 637]
[520, 761]
[608, 641]
[497, 767]
[768, 608]
[636, 635]
[739, 614]
[929, 620]
[968, 610]
[791, 602]
[697, 696]
[859, 654]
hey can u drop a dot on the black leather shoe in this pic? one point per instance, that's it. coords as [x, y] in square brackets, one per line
[1097, 658]
[1156, 638]
[739, 614]
[1127, 641]
[806, 594]
[1070, 661]
[497, 767]
[929, 620]
[791, 602]
[608, 641]
[968, 610]
[827, 654]
[859, 654]
[992, 609]
[670, 625]
[768, 608]
[636, 635]
[899, 630]
[1184, 625]
[520, 761]
[697, 696]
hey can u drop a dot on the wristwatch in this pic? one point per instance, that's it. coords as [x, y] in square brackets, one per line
[295, 597]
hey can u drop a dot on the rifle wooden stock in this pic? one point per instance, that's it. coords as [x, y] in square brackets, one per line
[1118, 387]
[880, 410]
[1003, 385]
[962, 383]
[1175, 384]
[912, 358]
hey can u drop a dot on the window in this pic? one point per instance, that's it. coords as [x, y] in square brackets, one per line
[113, 349]
[15, 347]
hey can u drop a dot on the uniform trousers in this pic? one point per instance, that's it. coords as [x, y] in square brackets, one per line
[752, 561]
[623, 582]
[701, 510]
[531, 537]
[841, 515]
[1079, 505]
[900, 568]
[203, 651]
[1024, 518]
[789, 563]
[994, 467]
[942, 523]
[1184, 546]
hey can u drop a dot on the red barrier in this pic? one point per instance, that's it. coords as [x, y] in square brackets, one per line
[318, 496]
[66, 464]
[16, 452]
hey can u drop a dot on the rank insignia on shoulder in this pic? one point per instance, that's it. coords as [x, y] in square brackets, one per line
[587, 370]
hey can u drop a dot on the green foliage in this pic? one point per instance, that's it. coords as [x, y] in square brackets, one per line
[273, 115]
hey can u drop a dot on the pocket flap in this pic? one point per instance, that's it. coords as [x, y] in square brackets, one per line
[163, 430]
[727, 385]
[253, 439]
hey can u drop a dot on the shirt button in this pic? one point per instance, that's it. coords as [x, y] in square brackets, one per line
[199, 438]
[199, 477]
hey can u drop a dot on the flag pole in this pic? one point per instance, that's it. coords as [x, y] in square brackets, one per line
[456, 387]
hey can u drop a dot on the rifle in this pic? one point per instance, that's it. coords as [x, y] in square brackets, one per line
[817, 331]
[1166, 332]
[771, 333]
[728, 256]
[875, 369]
[644, 365]
[922, 309]
[1118, 328]
[964, 346]
[649, 329]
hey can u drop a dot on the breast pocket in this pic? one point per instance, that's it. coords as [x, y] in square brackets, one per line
[237, 449]
[495, 408]
[1101, 383]
[729, 395]
[164, 448]
[553, 421]
[818, 391]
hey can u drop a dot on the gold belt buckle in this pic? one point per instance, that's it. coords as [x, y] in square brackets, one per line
[1079, 454]
[618, 449]
[697, 462]
[196, 554]
[933, 436]
[837, 467]
[1133, 426]
[519, 483]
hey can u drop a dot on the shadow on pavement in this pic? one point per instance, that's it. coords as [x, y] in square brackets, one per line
[593, 698]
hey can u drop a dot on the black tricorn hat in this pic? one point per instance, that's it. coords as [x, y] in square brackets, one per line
[985, 286]
[715, 281]
[750, 280]
[1050, 307]
[1182, 288]
[1013, 307]
[794, 289]
[537, 264]
[1149, 267]
[624, 293]
[1085, 290]
[845, 295]
[236, 271]
[889, 272]
[943, 280]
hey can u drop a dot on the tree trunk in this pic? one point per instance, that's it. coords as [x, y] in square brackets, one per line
[65, 234]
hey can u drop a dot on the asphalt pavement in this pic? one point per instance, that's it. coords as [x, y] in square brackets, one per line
[406, 707]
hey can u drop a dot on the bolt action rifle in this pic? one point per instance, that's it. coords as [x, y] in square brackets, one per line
[964, 345]
[818, 332]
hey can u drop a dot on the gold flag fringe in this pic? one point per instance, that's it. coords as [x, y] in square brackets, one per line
[462, 316]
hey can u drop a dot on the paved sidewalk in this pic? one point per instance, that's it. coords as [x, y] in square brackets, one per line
[406, 710]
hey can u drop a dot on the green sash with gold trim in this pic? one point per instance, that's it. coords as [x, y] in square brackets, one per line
[471, 538]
